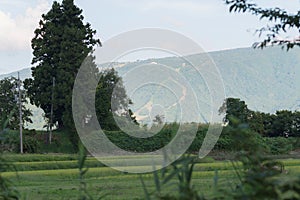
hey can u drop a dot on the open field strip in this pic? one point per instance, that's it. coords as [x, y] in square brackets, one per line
[199, 170]
[52, 165]
[92, 163]
[64, 183]
[57, 177]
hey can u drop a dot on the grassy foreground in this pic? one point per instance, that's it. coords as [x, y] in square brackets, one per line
[57, 177]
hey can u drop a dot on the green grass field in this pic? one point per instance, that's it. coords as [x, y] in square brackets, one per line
[57, 177]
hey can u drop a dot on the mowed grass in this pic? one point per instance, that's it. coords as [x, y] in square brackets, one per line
[57, 177]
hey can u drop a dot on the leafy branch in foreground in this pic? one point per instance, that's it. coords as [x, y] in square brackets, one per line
[282, 21]
[84, 194]
[182, 169]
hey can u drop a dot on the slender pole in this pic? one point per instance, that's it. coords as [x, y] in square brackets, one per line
[20, 111]
[51, 114]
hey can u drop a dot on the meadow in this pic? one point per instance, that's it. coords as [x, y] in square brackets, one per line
[56, 176]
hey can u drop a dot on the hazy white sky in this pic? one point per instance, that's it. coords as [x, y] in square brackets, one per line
[208, 22]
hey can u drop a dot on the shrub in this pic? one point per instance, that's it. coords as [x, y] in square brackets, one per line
[152, 143]
[10, 142]
[279, 145]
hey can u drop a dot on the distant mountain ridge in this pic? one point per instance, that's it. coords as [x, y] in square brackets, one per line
[24, 73]
[267, 80]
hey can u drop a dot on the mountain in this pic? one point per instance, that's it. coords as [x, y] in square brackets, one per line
[267, 80]
[24, 73]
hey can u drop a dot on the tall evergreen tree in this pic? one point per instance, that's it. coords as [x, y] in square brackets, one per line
[61, 43]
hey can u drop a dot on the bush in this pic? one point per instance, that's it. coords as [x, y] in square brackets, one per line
[197, 143]
[279, 145]
[35, 142]
[152, 143]
[10, 141]
[129, 143]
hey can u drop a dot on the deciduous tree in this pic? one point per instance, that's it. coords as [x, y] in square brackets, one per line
[9, 109]
[235, 109]
[112, 101]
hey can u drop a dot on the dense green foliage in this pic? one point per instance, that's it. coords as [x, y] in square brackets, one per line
[235, 109]
[61, 43]
[36, 142]
[9, 108]
[229, 141]
[135, 144]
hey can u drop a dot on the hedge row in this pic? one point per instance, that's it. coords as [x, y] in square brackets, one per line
[231, 139]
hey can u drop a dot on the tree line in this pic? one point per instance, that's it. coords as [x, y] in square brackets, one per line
[283, 123]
